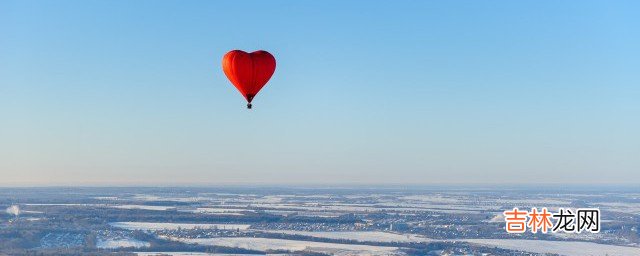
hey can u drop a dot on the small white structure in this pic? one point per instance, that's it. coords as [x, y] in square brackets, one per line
[13, 210]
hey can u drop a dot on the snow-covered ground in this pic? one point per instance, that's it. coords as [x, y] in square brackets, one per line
[144, 197]
[124, 206]
[30, 212]
[143, 207]
[631, 208]
[263, 244]
[164, 225]
[558, 247]
[363, 236]
[121, 243]
[105, 198]
[194, 254]
[389, 207]
[92, 205]
[497, 218]
[220, 211]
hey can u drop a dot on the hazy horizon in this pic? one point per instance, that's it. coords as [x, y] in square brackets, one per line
[336, 185]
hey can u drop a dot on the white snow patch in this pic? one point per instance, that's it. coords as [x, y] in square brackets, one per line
[496, 219]
[362, 236]
[121, 243]
[263, 244]
[143, 197]
[631, 208]
[143, 207]
[558, 247]
[192, 254]
[105, 198]
[195, 254]
[220, 211]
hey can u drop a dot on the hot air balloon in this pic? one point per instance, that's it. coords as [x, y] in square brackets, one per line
[248, 72]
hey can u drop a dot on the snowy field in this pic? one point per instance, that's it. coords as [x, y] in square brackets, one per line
[263, 244]
[125, 206]
[143, 207]
[193, 254]
[362, 236]
[387, 207]
[91, 205]
[121, 243]
[631, 208]
[220, 211]
[173, 226]
[152, 198]
[558, 247]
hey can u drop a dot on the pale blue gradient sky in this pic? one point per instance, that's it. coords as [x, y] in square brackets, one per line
[131, 92]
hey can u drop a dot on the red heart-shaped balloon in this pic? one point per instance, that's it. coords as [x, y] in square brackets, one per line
[248, 72]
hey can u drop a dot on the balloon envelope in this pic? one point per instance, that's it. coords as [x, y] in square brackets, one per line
[248, 72]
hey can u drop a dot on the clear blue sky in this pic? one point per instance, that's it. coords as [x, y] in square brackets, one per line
[426, 92]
